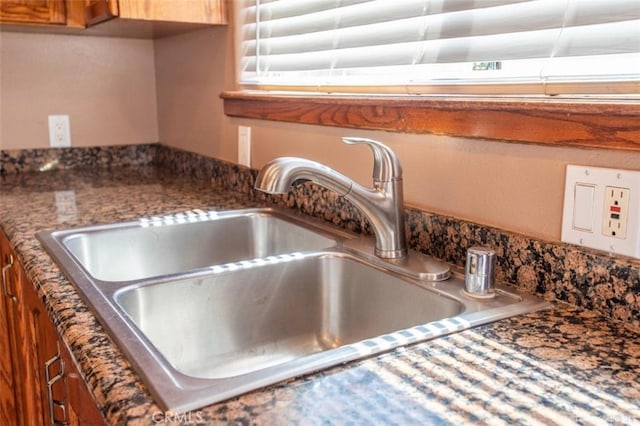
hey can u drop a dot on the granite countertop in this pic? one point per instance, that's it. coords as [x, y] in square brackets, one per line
[563, 365]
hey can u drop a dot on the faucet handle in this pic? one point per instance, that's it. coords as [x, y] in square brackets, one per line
[386, 166]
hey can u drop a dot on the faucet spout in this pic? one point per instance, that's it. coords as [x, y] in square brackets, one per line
[382, 204]
[281, 174]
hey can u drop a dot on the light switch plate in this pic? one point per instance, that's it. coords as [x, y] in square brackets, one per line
[586, 220]
[244, 145]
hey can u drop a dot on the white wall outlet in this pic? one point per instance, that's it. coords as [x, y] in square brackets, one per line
[616, 212]
[244, 145]
[602, 209]
[59, 131]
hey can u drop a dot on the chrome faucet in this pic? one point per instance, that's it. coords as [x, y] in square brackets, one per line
[382, 204]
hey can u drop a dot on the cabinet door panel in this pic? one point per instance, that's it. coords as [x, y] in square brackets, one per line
[41, 342]
[33, 342]
[28, 373]
[8, 414]
[39, 381]
[33, 11]
[201, 11]
[83, 410]
[7, 397]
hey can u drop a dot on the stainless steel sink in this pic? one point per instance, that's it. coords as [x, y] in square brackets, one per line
[243, 320]
[167, 245]
[228, 302]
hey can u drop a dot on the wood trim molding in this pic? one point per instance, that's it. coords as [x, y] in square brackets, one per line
[578, 123]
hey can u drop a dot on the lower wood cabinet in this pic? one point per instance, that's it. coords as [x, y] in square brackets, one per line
[40, 384]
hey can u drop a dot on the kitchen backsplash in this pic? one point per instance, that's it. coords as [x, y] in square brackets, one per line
[586, 278]
[31, 160]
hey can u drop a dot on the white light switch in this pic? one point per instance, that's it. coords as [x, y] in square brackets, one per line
[584, 196]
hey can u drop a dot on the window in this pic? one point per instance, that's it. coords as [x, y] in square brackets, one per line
[516, 47]
[557, 72]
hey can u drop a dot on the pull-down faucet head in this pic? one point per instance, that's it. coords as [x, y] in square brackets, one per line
[382, 205]
[386, 166]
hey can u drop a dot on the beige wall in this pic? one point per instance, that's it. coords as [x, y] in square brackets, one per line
[191, 71]
[105, 85]
[517, 187]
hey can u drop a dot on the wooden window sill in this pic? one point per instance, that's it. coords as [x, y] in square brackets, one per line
[557, 122]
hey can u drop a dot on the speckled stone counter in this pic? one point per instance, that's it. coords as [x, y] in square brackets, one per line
[564, 365]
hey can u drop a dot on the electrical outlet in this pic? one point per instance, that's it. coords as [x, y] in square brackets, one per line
[244, 145]
[616, 212]
[59, 131]
[602, 209]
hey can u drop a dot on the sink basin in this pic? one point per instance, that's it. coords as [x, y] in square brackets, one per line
[207, 306]
[243, 320]
[173, 244]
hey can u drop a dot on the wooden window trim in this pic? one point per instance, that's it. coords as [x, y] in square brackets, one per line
[610, 124]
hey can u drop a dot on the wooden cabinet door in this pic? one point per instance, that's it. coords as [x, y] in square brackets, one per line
[43, 369]
[28, 341]
[37, 370]
[83, 410]
[40, 384]
[8, 411]
[33, 11]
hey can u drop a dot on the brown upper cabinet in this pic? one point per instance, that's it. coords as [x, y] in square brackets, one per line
[193, 12]
[78, 14]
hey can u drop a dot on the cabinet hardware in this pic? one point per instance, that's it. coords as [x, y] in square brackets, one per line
[53, 403]
[5, 268]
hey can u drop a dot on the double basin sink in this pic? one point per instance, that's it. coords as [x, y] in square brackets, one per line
[210, 305]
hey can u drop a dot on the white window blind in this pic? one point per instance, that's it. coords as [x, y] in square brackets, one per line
[441, 46]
